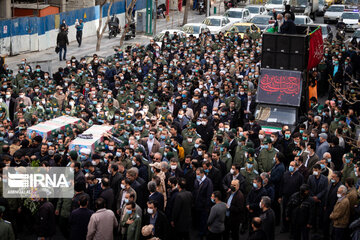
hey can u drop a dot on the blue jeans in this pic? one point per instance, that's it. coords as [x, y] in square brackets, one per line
[60, 52]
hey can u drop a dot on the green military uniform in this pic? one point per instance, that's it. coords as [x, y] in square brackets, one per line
[348, 169]
[266, 157]
[240, 152]
[6, 231]
[133, 230]
[249, 174]
[225, 156]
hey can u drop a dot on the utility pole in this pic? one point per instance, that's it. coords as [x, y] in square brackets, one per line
[186, 12]
[207, 8]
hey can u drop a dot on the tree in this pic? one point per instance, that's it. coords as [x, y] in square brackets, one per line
[128, 18]
[186, 12]
[99, 31]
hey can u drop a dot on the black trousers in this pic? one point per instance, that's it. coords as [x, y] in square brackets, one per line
[214, 236]
[79, 37]
[231, 229]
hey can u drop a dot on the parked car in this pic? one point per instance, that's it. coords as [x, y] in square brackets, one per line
[195, 29]
[256, 10]
[355, 38]
[278, 5]
[242, 28]
[302, 19]
[160, 36]
[217, 24]
[333, 13]
[262, 21]
[351, 19]
[238, 15]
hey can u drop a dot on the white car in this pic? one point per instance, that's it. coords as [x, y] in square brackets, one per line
[238, 15]
[195, 29]
[333, 13]
[302, 19]
[351, 19]
[217, 24]
[256, 10]
[278, 5]
[262, 21]
[160, 36]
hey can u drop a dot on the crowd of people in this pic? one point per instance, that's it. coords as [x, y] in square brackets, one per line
[187, 156]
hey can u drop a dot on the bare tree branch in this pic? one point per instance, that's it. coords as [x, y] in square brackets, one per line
[330, 80]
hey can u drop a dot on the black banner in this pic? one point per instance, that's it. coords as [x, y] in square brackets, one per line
[281, 87]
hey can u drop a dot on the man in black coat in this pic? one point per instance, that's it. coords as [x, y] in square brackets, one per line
[288, 26]
[236, 212]
[318, 184]
[189, 174]
[203, 188]
[233, 174]
[61, 41]
[155, 196]
[158, 219]
[300, 212]
[213, 173]
[79, 220]
[290, 184]
[331, 199]
[45, 224]
[257, 233]
[107, 193]
[267, 217]
[181, 214]
[172, 193]
[254, 197]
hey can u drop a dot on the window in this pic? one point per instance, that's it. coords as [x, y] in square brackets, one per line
[233, 14]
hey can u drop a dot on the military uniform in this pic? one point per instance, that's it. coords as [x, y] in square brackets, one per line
[6, 231]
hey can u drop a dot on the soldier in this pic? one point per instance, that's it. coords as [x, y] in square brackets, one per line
[249, 174]
[6, 231]
[266, 156]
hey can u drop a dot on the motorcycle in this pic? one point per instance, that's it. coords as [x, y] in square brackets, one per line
[113, 29]
[131, 32]
[201, 7]
[161, 9]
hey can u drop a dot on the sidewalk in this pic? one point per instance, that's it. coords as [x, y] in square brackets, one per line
[107, 45]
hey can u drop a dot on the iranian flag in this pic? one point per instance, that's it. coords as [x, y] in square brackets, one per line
[316, 49]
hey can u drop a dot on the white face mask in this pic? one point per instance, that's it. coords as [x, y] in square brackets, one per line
[173, 167]
[122, 186]
[150, 211]
[232, 171]
[338, 195]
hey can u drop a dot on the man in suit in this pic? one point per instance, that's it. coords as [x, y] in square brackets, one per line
[288, 26]
[107, 193]
[79, 220]
[156, 196]
[318, 184]
[10, 103]
[232, 144]
[158, 219]
[267, 217]
[181, 215]
[331, 200]
[236, 212]
[232, 175]
[203, 188]
[150, 143]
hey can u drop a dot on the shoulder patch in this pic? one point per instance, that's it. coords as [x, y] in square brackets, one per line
[7, 222]
[256, 172]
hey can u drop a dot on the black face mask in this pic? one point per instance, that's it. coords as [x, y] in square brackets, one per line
[232, 188]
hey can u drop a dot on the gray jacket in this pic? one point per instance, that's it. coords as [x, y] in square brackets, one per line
[216, 220]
